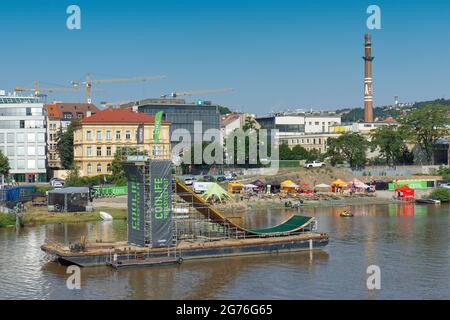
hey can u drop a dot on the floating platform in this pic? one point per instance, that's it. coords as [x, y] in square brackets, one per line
[117, 253]
[149, 262]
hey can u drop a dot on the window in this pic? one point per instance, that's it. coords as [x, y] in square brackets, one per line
[79, 115]
[41, 151]
[31, 151]
[108, 151]
[99, 167]
[2, 137]
[128, 135]
[10, 138]
[20, 138]
[22, 124]
[156, 150]
[108, 135]
[99, 151]
[41, 164]
[89, 151]
[118, 135]
[20, 164]
[31, 164]
[99, 135]
[108, 167]
[89, 168]
[11, 151]
[20, 151]
[88, 135]
[41, 137]
[31, 137]
[67, 115]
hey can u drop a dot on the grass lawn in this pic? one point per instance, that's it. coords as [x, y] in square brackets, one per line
[40, 215]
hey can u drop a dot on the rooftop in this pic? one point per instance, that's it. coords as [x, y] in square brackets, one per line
[119, 116]
[57, 110]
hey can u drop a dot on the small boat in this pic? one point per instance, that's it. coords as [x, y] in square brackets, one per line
[346, 214]
[105, 216]
[428, 201]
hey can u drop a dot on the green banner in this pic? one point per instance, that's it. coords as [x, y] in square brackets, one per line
[413, 184]
[157, 129]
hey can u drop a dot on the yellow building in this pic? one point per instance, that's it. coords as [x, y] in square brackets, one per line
[101, 135]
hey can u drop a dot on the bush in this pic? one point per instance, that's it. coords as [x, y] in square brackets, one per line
[444, 172]
[441, 194]
[7, 219]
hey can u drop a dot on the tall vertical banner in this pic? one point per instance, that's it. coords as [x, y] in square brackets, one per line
[161, 200]
[140, 134]
[136, 208]
[157, 129]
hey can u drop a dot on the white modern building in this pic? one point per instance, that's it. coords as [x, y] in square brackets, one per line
[22, 137]
[307, 129]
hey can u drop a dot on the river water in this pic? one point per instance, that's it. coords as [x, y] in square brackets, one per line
[410, 244]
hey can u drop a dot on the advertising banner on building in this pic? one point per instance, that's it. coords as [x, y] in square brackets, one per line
[136, 209]
[140, 134]
[161, 202]
[157, 129]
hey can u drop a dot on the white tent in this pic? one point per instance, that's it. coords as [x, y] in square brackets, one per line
[323, 185]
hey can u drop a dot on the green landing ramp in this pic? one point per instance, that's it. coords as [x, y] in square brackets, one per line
[294, 224]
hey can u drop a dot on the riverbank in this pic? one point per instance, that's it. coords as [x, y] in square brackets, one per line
[39, 215]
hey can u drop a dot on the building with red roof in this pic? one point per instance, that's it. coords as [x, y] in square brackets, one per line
[100, 136]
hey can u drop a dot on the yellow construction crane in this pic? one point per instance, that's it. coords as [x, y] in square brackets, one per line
[89, 82]
[195, 92]
[37, 90]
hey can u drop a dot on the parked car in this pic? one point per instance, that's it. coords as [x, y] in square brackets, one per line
[445, 185]
[56, 182]
[314, 164]
[221, 178]
[189, 181]
[208, 179]
[230, 176]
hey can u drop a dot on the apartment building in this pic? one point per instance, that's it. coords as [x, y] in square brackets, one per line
[99, 136]
[59, 116]
[22, 137]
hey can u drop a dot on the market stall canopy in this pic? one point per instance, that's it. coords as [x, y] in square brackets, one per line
[406, 191]
[289, 184]
[323, 185]
[250, 186]
[216, 192]
[339, 183]
[358, 184]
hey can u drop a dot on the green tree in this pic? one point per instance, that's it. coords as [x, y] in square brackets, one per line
[285, 153]
[391, 143]
[350, 147]
[224, 110]
[117, 172]
[425, 126]
[64, 145]
[73, 178]
[4, 165]
[299, 153]
[250, 124]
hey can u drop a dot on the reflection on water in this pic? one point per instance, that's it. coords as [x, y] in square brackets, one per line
[409, 242]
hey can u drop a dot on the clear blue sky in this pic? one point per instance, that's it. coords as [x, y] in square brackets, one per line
[276, 54]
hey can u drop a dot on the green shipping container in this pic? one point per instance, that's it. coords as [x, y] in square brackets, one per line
[413, 184]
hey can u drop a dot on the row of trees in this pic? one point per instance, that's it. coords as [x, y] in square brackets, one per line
[421, 127]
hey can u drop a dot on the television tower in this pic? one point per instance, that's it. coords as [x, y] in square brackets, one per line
[368, 93]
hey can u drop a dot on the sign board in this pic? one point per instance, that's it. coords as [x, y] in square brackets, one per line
[136, 210]
[157, 129]
[161, 202]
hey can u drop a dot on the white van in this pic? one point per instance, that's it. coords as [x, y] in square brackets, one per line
[200, 187]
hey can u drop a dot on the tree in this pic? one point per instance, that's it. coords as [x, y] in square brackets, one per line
[390, 141]
[224, 110]
[425, 126]
[117, 172]
[249, 124]
[64, 145]
[350, 147]
[4, 165]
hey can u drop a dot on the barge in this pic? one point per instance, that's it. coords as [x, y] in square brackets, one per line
[121, 254]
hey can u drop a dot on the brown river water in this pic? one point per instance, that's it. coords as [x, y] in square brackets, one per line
[410, 243]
